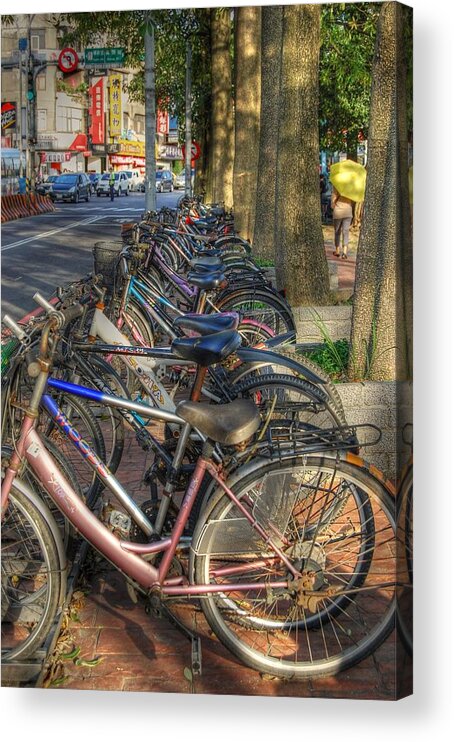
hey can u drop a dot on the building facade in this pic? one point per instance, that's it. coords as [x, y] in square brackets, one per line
[76, 120]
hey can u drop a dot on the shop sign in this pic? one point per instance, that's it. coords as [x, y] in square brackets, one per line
[55, 156]
[115, 112]
[96, 131]
[162, 122]
[126, 147]
[170, 151]
[9, 115]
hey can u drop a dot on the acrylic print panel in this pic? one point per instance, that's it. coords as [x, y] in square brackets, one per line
[285, 568]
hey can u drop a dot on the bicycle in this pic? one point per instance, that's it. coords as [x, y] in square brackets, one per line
[298, 588]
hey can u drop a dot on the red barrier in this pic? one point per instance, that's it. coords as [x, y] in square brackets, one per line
[20, 206]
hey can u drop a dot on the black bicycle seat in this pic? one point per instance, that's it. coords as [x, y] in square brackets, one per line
[207, 349]
[207, 324]
[200, 265]
[206, 281]
[229, 423]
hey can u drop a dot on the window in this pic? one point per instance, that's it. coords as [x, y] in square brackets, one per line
[38, 39]
[69, 119]
[41, 81]
[42, 119]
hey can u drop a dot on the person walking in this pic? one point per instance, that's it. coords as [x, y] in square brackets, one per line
[112, 184]
[342, 218]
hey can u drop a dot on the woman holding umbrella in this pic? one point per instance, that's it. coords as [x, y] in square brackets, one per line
[349, 182]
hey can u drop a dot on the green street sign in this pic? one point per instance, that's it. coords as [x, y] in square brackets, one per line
[104, 56]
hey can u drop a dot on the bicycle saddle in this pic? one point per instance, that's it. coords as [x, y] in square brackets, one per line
[229, 423]
[206, 280]
[207, 324]
[207, 349]
[207, 264]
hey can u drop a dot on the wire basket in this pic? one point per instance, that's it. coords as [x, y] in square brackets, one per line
[105, 260]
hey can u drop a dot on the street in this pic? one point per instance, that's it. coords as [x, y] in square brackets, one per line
[42, 252]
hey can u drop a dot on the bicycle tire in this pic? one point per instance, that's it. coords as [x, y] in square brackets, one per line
[89, 429]
[31, 578]
[102, 376]
[264, 388]
[273, 313]
[363, 617]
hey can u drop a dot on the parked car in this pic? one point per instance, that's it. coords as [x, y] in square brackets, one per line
[44, 188]
[164, 181]
[121, 184]
[135, 179]
[94, 177]
[180, 181]
[71, 187]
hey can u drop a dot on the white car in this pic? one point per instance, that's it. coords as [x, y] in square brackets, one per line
[121, 185]
[135, 179]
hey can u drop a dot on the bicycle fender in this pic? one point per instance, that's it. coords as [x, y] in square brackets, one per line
[257, 356]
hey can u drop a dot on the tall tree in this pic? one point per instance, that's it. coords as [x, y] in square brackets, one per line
[220, 164]
[271, 43]
[382, 309]
[301, 265]
[247, 116]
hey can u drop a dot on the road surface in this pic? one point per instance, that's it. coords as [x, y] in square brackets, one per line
[41, 252]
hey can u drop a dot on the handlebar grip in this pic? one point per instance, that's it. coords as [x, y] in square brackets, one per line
[72, 313]
[14, 327]
[43, 303]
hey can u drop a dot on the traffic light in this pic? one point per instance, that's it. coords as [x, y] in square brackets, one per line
[30, 85]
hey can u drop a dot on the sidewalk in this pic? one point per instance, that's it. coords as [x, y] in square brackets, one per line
[119, 647]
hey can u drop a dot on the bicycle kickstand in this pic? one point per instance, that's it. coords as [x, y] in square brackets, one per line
[157, 607]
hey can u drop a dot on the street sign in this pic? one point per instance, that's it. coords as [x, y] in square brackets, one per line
[68, 60]
[23, 44]
[195, 151]
[104, 56]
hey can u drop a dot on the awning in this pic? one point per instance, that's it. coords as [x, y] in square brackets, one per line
[80, 143]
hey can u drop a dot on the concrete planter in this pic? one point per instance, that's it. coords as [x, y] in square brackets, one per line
[337, 319]
[388, 405]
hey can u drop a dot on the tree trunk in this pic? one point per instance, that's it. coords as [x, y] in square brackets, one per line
[301, 265]
[271, 43]
[382, 309]
[220, 170]
[247, 117]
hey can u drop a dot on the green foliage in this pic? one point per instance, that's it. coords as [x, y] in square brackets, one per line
[332, 357]
[172, 29]
[348, 34]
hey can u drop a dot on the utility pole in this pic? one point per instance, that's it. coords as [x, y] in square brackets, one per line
[31, 109]
[188, 119]
[150, 117]
[20, 147]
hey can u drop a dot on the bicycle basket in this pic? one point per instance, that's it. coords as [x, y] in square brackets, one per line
[105, 255]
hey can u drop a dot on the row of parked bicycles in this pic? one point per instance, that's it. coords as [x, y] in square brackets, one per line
[259, 508]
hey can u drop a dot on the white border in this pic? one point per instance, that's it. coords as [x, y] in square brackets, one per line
[74, 715]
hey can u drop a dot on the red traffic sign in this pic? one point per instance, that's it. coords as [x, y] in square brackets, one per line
[68, 60]
[195, 151]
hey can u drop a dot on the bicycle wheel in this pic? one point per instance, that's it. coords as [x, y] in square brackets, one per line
[334, 523]
[259, 304]
[96, 373]
[31, 578]
[84, 421]
[285, 397]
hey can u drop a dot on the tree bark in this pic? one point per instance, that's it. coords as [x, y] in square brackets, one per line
[301, 265]
[247, 117]
[271, 43]
[382, 311]
[220, 170]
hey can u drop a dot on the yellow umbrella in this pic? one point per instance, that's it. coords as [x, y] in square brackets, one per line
[349, 179]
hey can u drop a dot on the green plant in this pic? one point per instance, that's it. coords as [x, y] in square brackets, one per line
[264, 262]
[337, 356]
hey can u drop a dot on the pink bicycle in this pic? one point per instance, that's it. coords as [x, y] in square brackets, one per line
[292, 557]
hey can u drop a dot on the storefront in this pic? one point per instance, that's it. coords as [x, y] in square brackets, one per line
[129, 155]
